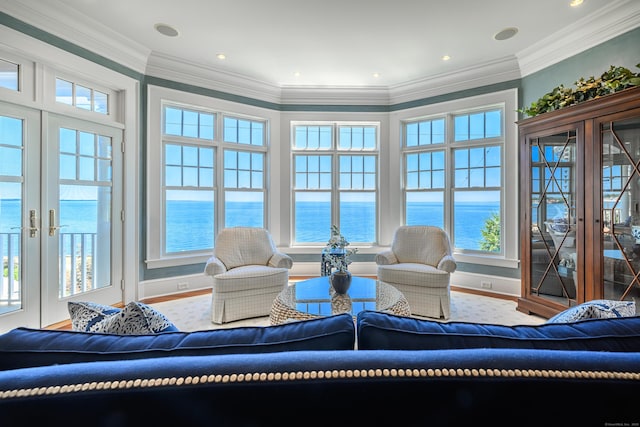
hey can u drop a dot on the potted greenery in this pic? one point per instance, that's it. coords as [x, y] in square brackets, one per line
[338, 255]
[613, 80]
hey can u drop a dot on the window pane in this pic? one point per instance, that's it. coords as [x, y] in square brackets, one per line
[243, 208]
[206, 130]
[476, 212]
[64, 92]
[100, 102]
[87, 143]
[437, 131]
[312, 217]
[476, 126]
[425, 208]
[189, 124]
[83, 97]
[358, 216]
[8, 75]
[412, 134]
[493, 120]
[461, 128]
[190, 156]
[87, 171]
[186, 211]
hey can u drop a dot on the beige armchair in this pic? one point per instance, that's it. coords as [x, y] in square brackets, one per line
[419, 264]
[248, 273]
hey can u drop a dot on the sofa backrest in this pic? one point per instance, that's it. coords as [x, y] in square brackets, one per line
[382, 331]
[24, 347]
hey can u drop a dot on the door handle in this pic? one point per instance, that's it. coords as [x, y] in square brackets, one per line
[33, 224]
[52, 222]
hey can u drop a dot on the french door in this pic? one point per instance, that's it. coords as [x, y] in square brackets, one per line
[60, 210]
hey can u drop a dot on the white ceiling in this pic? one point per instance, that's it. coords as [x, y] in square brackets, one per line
[331, 43]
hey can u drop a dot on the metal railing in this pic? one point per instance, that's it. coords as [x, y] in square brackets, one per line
[75, 268]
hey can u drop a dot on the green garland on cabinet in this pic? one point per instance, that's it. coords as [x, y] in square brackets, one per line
[613, 80]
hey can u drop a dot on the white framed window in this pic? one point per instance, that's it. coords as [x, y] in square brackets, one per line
[459, 172]
[470, 154]
[81, 96]
[17, 77]
[9, 75]
[207, 171]
[335, 181]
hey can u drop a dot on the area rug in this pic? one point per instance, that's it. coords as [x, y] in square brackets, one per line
[194, 313]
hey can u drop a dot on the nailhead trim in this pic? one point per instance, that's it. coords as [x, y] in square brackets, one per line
[314, 375]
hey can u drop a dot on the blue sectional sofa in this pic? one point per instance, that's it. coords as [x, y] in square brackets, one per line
[380, 369]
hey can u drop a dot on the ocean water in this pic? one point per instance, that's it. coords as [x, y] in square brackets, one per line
[190, 223]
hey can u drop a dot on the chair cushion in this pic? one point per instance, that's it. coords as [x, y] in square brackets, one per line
[414, 275]
[24, 347]
[595, 309]
[251, 277]
[237, 246]
[383, 331]
[135, 318]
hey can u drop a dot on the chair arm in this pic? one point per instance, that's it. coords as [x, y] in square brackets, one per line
[214, 267]
[280, 260]
[448, 264]
[386, 257]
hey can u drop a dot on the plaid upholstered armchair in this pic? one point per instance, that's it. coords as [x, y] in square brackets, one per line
[248, 273]
[419, 264]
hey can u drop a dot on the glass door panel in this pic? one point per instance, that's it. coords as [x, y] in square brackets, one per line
[621, 208]
[83, 216]
[19, 217]
[553, 225]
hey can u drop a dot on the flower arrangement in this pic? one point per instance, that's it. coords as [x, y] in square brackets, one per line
[337, 253]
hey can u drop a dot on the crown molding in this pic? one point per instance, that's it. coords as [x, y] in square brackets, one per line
[618, 17]
[179, 70]
[66, 23]
[335, 95]
[489, 73]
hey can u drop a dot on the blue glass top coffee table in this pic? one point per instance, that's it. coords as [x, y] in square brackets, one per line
[315, 297]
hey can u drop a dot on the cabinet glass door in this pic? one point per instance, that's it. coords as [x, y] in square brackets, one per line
[553, 217]
[621, 208]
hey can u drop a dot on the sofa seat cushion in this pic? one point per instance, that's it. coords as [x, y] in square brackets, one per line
[383, 331]
[135, 318]
[25, 347]
[595, 309]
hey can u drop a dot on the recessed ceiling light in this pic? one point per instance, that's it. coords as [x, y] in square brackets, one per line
[376, 75]
[221, 56]
[505, 34]
[166, 30]
[575, 3]
[296, 74]
[446, 57]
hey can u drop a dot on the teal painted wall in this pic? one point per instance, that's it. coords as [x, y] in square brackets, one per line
[623, 51]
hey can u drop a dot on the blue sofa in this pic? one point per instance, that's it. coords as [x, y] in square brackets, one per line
[380, 369]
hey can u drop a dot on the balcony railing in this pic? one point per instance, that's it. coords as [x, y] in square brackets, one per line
[75, 269]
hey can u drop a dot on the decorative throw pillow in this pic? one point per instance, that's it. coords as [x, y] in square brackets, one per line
[85, 315]
[595, 309]
[135, 318]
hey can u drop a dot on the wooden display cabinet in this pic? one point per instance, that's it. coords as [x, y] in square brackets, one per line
[580, 204]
